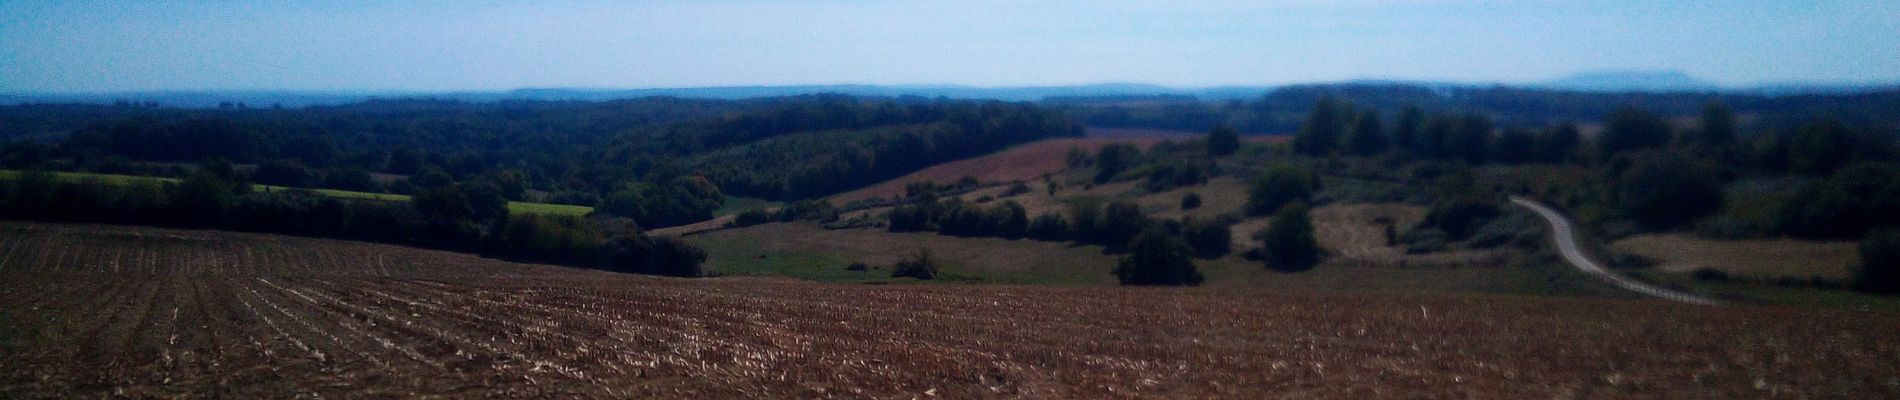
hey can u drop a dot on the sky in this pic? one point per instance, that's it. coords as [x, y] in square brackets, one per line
[76, 46]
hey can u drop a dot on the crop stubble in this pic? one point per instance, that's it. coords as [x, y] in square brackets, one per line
[96, 311]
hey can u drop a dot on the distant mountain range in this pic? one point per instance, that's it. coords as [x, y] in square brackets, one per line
[1607, 81]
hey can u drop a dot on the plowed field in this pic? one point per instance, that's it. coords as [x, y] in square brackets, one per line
[101, 311]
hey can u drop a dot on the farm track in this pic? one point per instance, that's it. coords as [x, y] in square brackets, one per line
[104, 311]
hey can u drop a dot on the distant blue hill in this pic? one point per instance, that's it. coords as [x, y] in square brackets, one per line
[1626, 81]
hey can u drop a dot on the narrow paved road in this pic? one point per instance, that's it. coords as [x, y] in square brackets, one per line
[1565, 236]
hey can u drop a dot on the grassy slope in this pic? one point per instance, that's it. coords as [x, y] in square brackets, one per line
[112, 179]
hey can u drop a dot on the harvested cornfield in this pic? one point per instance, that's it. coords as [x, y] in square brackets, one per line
[100, 311]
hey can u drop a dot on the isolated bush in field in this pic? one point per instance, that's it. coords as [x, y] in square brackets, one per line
[1156, 258]
[1289, 241]
[1049, 227]
[1222, 140]
[1210, 237]
[1191, 201]
[857, 267]
[1880, 262]
[918, 265]
[910, 218]
[1016, 189]
[1281, 185]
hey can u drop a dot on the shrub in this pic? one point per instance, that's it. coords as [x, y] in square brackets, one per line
[1289, 242]
[1121, 221]
[1049, 227]
[918, 265]
[1016, 189]
[857, 267]
[1211, 237]
[1191, 201]
[1846, 204]
[1010, 220]
[1280, 185]
[1664, 190]
[1460, 217]
[1880, 262]
[1707, 274]
[1222, 140]
[1112, 159]
[1156, 258]
[750, 218]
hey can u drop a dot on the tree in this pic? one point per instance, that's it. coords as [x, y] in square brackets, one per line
[1405, 133]
[1879, 270]
[918, 265]
[1367, 137]
[1559, 143]
[1222, 140]
[1628, 129]
[1114, 158]
[1011, 220]
[1718, 125]
[1514, 146]
[1323, 128]
[1156, 258]
[1663, 190]
[1433, 139]
[1210, 237]
[1280, 185]
[1846, 204]
[1190, 201]
[1472, 140]
[1121, 221]
[1821, 147]
[1288, 242]
[1049, 227]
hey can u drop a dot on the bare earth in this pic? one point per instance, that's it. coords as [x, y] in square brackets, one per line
[100, 311]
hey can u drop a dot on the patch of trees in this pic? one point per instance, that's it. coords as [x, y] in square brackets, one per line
[1280, 185]
[1156, 258]
[1665, 189]
[1115, 225]
[1845, 204]
[1288, 242]
[1879, 271]
[458, 216]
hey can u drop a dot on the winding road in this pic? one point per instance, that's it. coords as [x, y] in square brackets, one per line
[1565, 235]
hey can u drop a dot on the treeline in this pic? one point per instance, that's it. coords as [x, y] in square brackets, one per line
[471, 217]
[1282, 109]
[837, 144]
[661, 161]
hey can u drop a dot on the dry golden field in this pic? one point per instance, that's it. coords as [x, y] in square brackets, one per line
[1765, 258]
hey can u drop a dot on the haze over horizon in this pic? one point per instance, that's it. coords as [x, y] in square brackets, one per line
[99, 46]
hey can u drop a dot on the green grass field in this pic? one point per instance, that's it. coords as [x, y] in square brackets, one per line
[112, 179]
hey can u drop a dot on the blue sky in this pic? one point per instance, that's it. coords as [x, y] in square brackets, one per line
[92, 46]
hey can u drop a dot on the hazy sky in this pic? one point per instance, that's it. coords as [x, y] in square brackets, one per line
[83, 45]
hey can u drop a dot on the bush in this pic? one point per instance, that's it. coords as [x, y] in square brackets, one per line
[1191, 201]
[1289, 242]
[1222, 140]
[1846, 204]
[1121, 221]
[1114, 158]
[1707, 274]
[1156, 258]
[918, 265]
[1211, 238]
[1460, 217]
[857, 267]
[1049, 227]
[1010, 219]
[1880, 262]
[750, 218]
[1281, 185]
[1663, 190]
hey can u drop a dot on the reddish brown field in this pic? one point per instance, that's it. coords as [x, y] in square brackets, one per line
[98, 311]
[1026, 162]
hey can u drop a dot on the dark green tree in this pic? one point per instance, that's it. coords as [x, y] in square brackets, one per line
[1628, 129]
[1663, 190]
[1324, 127]
[1718, 125]
[1279, 185]
[1559, 143]
[1368, 137]
[1114, 158]
[1288, 243]
[1879, 270]
[1405, 132]
[1156, 258]
[1514, 146]
[1223, 140]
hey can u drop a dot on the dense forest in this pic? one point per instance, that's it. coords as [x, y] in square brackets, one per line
[1283, 110]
